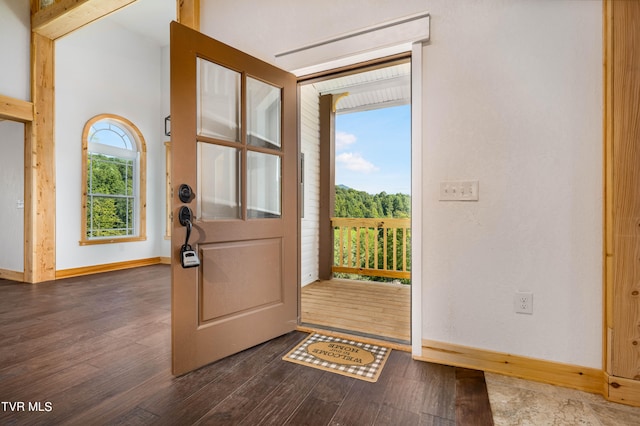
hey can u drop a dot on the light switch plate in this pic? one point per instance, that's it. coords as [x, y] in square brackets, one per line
[460, 190]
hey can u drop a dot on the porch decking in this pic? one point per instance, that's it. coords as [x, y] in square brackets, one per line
[365, 307]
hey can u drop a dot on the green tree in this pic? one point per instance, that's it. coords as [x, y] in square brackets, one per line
[359, 204]
[353, 203]
[109, 199]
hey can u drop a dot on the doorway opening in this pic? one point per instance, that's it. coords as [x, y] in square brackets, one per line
[356, 200]
[12, 200]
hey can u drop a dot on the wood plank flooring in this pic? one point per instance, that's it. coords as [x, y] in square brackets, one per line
[365, 307]
[96, 350]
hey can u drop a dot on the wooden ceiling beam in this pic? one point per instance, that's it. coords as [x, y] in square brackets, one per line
[15, 109]
[66, 16]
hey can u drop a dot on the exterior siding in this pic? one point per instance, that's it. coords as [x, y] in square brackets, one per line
[310, 147]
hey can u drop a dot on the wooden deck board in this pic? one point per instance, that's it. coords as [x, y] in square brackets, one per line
[362, 307]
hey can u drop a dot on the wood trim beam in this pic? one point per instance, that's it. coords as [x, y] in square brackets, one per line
[66, 16]
[554, 373]
[607, 127]
[107, 267]
[586, 379]
[39, 163]
[623, 391]
[620, 118]
[622, 136]
[15, 109]
[7, 274]
[188, 13]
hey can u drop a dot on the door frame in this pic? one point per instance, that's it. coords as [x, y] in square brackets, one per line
[414, 53]
[405, 34]
[416, 198]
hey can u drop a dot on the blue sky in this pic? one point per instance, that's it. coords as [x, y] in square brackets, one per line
[373, 150]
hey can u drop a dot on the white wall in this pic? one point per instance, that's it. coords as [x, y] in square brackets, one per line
[11, 195]
[15, 33]
[512, 97]
[310, 147]
[264, 29]
[166, 84]
[520, 109]
[103, 68]
[15, 40]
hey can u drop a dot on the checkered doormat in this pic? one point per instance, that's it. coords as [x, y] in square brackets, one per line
[343, 356]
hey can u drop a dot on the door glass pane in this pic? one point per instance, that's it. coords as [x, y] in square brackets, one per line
[218, 195]
[263, 185]
[263, 114]
[218, 101]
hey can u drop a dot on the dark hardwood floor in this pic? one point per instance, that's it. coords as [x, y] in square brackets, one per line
[96, 350]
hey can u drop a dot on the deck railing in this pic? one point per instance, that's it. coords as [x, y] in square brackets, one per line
[379, 247]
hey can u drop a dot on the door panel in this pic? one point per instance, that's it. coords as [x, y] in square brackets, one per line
[234, 137]
[228, 287]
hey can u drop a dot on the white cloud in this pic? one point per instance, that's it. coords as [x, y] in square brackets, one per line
[356, 163]
[344, 139]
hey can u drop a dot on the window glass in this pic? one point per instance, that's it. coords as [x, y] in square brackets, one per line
[263, 185]
[111, 134]
[218, 92]
[110, 196]
[263, 114]
[219, 182]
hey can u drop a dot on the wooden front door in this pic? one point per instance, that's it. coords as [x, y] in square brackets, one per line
[234, 143]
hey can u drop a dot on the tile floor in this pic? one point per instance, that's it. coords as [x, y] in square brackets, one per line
[521, 402]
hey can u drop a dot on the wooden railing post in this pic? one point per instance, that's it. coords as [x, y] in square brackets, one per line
[327, 186]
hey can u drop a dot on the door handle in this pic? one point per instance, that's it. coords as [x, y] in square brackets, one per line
[185, 216]
[188, 256]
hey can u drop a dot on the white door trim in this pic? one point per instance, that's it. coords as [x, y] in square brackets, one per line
[416, 199]
[406, 34]
[365, 44]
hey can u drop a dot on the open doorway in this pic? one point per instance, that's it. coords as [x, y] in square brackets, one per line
[356, 183]
[12, 135]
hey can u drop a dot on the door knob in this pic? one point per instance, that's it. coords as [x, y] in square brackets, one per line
[185, 193]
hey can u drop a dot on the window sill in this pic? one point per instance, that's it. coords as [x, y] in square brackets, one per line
[114, 240]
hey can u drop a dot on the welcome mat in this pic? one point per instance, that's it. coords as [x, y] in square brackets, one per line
[343, 356]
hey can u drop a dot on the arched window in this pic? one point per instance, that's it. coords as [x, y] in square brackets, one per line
[114, 194]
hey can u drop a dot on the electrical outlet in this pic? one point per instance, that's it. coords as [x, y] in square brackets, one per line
[524, 303]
